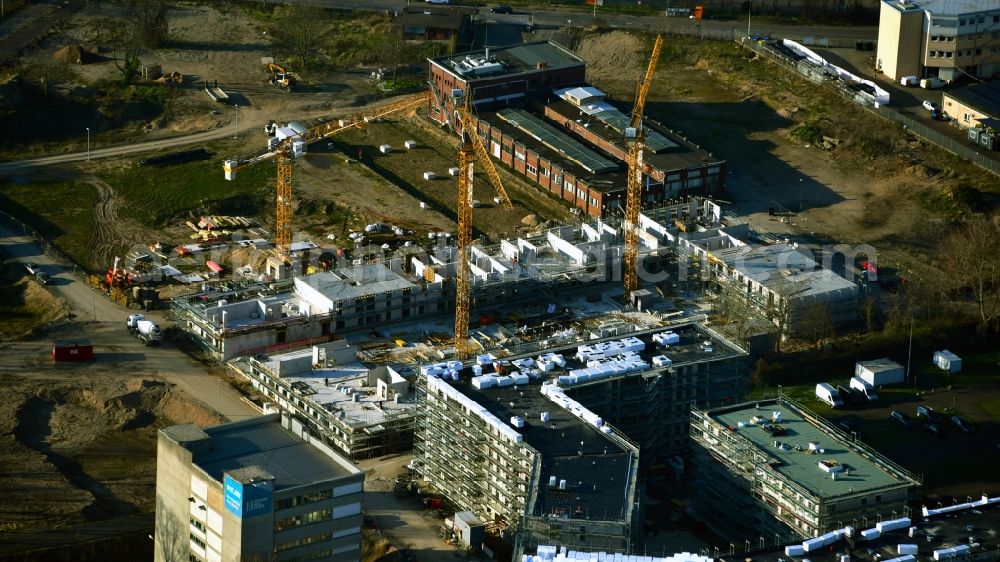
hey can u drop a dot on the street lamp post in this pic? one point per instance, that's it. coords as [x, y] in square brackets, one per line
[800, 195]
[237, 135]
[88, 143]
[749, 9]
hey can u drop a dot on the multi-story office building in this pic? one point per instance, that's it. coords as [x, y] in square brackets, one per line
[939, 38]
[260, 489]
[775, 470]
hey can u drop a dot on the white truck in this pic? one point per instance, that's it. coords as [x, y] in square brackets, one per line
[147, 331]
[828, 395]
[865, 388]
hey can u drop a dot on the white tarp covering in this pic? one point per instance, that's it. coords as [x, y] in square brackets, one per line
[881, 96]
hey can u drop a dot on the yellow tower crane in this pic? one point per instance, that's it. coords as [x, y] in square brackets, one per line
[633, 194]
[472, 150]
[294, 146]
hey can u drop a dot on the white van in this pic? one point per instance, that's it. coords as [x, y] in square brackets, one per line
[828, 395]
[911, 81]
[867, 389]
[931, 83]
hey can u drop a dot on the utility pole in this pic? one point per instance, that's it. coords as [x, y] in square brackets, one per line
[88, 136]
[749, 9]
[909, 352]
[237, 135]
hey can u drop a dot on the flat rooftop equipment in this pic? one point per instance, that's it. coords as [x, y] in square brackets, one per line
[794, 459]
[266, 444]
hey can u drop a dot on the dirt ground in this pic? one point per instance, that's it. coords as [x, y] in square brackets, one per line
[78, 441]
[24, 303]
[832, 202]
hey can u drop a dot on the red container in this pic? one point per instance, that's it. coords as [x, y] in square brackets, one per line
[435, 503]
[72, 350]
[216, 268]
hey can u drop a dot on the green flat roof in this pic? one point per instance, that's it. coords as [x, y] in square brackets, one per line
[802, 467]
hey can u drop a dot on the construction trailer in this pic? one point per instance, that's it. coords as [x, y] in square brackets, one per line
[788, 474]
[79, 349]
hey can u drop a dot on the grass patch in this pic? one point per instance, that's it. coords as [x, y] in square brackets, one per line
[61, 212]
[155, 196]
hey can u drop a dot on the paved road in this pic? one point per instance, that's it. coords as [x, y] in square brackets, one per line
[116, 151]
[585, 16]
[104, 321]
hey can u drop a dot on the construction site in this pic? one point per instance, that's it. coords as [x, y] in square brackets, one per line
[494, 281]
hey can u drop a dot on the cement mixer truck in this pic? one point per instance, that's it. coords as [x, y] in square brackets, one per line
[147, 331]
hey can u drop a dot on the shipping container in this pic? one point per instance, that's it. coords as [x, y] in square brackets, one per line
[72, 350]
[216, 268]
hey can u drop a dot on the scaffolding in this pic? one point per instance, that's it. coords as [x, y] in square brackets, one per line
[731, 467]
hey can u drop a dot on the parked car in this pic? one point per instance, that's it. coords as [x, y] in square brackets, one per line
[42, 277]
[32, 268]
[901, 418]
[502, 10]
[929, 105]
[934, 429]
[962, 424]
[928, 413]
[847, 426]
[938, 115]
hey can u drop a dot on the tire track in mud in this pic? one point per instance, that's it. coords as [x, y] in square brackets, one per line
[109, 238]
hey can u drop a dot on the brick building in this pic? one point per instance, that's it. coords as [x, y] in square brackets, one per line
[537, 115]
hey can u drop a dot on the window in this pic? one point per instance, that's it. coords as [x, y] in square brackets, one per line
[530, 169]
[319, 495]
[518, 155]
[304, 519]
[325, 553]
[280, 547]
[197, 541]
[198, 524]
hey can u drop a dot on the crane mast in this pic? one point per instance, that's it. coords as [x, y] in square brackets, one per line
[284, 155]
[472, 150]
[633, 194]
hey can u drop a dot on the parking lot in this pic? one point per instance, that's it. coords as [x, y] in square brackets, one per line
[956, 463]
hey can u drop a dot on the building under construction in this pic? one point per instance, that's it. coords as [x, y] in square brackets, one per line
[256, 318]
[531, 442]
[773, 470]
[361, 411]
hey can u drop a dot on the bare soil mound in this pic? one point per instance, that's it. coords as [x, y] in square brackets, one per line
[71, 54]
[82, 448]
[615, 55]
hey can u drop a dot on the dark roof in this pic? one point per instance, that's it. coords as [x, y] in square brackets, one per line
[268, 445]
[606, 182]
[682, 154]
[596, 480]
[435, 17]
[983, 97]
[513, 59]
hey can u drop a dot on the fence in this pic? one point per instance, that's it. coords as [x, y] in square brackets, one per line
[47, 248]
[958, 148]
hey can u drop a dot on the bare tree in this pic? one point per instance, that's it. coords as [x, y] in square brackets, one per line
[124, 42]
[392, 49]
[817, 324]
[300, 31]
[972, 261]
